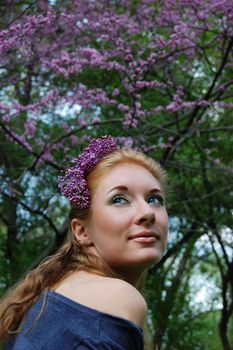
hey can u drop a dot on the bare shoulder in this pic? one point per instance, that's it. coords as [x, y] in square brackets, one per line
[126, 300]
[111, 295]
[127, 291]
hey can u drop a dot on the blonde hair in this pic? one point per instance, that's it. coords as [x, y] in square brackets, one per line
[71, 256]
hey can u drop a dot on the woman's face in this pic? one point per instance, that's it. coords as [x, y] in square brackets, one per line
[128, 222]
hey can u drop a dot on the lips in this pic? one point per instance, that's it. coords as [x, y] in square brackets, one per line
[145, 236]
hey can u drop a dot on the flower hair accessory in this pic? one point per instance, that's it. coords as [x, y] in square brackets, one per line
[73, 184]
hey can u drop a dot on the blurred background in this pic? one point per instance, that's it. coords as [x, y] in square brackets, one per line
[158, 76]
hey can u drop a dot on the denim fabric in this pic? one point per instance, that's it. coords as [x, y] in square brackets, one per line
[67, 325]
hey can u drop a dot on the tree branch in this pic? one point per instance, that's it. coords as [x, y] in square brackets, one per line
[33, 211]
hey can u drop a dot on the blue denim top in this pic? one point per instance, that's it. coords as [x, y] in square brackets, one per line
[67, 325]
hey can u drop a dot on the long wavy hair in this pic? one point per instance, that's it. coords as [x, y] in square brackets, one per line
[71, 256]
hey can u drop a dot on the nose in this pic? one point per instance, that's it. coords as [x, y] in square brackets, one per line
[145, 215]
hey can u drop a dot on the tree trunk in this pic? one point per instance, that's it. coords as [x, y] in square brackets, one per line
[223, 332]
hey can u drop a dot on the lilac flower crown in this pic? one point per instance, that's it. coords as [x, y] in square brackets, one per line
[73, 184]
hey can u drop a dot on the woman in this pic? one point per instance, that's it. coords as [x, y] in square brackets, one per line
[85, 296]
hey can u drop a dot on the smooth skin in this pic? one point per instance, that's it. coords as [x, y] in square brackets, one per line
[128, 201]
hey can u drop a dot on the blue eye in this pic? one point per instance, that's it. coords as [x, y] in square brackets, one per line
[156, 200]
[119, 200]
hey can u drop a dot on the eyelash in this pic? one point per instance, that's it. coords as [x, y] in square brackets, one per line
[157, 196]
[117, 197]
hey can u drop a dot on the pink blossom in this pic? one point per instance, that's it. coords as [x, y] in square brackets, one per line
[123, 108]
[47, 156]
[115, 92]
[96, 120]
[82, 122]
[158, 109]
[203, 103]
[225, 105]
[74, 140]
[138, 62]
[30, 127]
[172, 107]
[149, 84]
[188, 104]
[21, 141]
[6, 118]
[66, 127]
[126, 142]
[130, 121]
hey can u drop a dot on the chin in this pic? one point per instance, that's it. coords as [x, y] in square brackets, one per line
[151, 259]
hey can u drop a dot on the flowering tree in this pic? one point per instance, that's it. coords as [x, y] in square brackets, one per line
[156, 75]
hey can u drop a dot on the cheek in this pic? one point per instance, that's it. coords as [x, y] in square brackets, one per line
[102, 222]
[164, 218]
[110, 222]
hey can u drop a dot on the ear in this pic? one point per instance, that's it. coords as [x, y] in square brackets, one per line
[80, 231]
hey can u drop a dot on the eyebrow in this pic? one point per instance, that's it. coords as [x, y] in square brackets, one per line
[125, 189]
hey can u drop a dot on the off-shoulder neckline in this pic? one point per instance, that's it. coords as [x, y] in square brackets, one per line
[93, 312]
